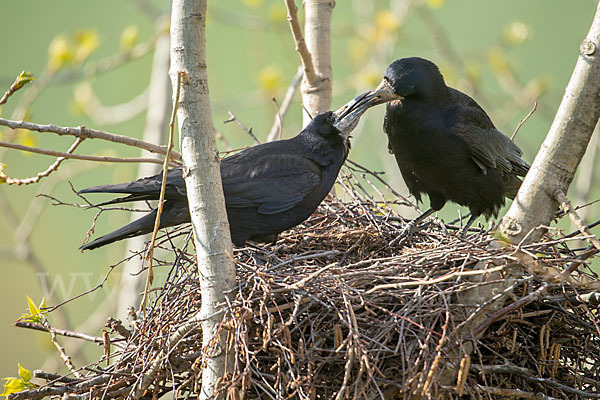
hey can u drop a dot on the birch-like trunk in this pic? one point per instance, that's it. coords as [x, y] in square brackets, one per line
[555, 164]
[316, 96]
[534, 207]
[203, 182]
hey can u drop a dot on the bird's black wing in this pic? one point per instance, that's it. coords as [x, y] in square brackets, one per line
[144, 188]
[489, 147]
[272, 182]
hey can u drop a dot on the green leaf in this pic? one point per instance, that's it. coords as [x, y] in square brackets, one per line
[25, 374]
[33, 310]
[13, 385]
[35, 313]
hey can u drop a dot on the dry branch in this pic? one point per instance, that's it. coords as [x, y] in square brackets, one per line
[305, 56]
[86, 133]
[566, 205]
[285, 105]
[65, 155]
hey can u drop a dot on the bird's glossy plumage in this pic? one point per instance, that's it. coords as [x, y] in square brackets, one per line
[268, 188]
[445, 144]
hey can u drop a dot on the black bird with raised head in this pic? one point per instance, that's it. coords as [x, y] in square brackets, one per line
[268, 188]
[445, 144]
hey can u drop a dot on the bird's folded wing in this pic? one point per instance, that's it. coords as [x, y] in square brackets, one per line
[489, 147]
[274, 183]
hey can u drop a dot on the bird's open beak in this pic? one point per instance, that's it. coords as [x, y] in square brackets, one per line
[348, 115]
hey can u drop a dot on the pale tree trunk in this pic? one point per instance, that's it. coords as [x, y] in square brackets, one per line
[316, 94]
[155, 131]
[555, 164]
[203, 183]
[535, 205]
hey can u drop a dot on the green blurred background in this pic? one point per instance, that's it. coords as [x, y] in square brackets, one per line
[507, 54]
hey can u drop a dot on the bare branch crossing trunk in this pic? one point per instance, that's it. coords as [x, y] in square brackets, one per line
[203, 183]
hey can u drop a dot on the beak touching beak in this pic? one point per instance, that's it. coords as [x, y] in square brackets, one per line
[347, 116]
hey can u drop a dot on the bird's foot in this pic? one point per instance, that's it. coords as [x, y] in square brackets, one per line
[405, 234]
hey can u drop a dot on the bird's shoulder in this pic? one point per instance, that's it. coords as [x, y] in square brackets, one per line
[467, 112]
[489, 147]
[267, 161]
[273, 181]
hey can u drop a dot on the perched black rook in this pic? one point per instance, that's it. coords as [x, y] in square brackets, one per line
[268, 188]
[445, 144]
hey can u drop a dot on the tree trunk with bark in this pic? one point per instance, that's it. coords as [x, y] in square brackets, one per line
[203, 183]
[535, 205]
[316, 93]
[555, 164]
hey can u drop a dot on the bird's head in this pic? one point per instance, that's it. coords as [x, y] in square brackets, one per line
[336, 124]
[323, 124]
[404, 78]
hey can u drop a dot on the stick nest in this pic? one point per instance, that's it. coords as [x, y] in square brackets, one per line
[339, 308]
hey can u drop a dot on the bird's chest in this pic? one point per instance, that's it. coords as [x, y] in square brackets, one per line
[422, 143]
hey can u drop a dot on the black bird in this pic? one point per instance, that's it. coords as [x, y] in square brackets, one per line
[445, 144]
[268, 188]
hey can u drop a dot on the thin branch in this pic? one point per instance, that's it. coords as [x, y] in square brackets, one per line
[22, 79]
[305, 56]
[85, 133]
[63, 354]
[148, 377]
[52, 168]
[510, 308]
[66, 155]
[566, 205]
[436, 280]
[163, 186]
[285, 105]
[233, 118]
[523, 120]
[62, 332]
[524, 373]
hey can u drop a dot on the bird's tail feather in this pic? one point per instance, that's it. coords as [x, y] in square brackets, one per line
[138, 227]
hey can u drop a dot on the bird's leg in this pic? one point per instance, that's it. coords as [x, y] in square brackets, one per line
[422, 216]
[465, 229]
[411, 227]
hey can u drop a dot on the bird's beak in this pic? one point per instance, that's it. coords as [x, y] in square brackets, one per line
[348, 115]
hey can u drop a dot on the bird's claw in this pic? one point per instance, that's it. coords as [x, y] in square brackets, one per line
[405, 234]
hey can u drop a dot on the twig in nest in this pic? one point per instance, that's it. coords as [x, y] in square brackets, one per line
[559, 195]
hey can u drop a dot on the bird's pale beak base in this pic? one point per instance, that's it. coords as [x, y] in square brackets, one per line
[349, 114]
